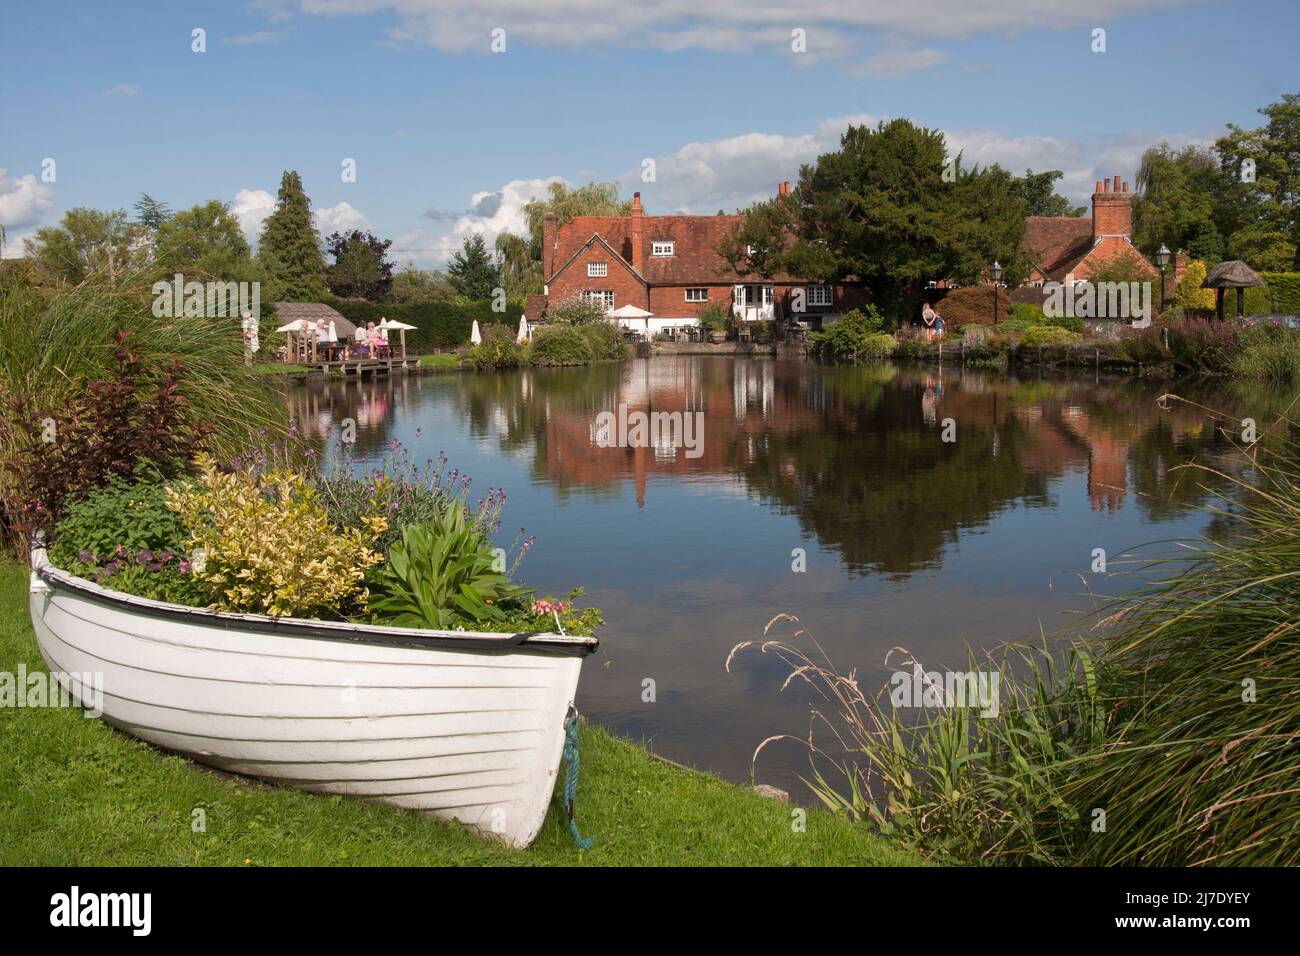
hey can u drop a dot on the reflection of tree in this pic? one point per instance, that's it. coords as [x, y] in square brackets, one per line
[855, 453]
[877, 483]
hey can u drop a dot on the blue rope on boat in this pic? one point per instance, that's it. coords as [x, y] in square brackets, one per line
[571, 777]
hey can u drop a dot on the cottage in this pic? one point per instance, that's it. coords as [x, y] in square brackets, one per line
[1070, 249]
[670, 266]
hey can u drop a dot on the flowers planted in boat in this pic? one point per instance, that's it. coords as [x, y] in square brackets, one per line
[443, 574]
[270, 547]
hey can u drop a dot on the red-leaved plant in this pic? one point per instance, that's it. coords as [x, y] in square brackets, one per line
[135, 419]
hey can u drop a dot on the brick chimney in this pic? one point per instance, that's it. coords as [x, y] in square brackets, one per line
[1112, 212]
[783, 188]
[638, 214]
[548, 246]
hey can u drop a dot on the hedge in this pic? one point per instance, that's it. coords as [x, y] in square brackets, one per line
[1283, 291]
[438, 325]
[972, 305]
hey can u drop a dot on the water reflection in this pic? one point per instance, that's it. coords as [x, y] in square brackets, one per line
[910, 540]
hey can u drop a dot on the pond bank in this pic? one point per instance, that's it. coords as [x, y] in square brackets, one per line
[81, 793]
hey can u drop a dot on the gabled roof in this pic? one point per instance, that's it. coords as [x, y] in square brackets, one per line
[596, 237]
[1056, 244]
[695, 241]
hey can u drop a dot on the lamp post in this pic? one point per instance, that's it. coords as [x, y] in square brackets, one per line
[995, 272]
[1162, 260]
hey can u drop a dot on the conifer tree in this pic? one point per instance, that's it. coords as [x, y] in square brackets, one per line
[289, 248]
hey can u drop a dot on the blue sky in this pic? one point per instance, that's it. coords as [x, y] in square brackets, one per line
[450, 137]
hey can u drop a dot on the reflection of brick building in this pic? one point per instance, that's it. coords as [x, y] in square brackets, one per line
[741, 406]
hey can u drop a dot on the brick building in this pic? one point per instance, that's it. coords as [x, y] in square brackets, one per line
[1071, 248]
[670, 266]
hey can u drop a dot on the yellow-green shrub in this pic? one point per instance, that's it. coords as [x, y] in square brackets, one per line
[268, 546]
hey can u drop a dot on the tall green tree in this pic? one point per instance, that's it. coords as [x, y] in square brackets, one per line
[289, 248]
[1038, 192]
[414, 286]
[520, 272]
[204, 239]
[89, 241]
[1264, 204]
[1175, 202]
[472, 270]
[361, 266]
[881, 208]
[151, 213]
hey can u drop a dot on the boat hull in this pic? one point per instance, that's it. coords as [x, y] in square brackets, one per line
[464, 727]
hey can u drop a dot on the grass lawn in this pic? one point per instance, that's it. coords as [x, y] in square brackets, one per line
[440, 361]
[77, 792]
[277, 368]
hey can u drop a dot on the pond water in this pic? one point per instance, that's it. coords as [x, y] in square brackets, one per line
[910, 541]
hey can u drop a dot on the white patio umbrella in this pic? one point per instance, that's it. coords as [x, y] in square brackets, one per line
[475, 337]
[632, 312]
[522, 337]
[401, 327]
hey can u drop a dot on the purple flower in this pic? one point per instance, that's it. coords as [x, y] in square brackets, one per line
[185, 567]
[145, 556]
[86, 556]
[164, 556]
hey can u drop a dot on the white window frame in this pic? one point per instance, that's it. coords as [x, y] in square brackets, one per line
[604, 296]
[822, 296]
[597, 270]
[703, 297]
[662, 250]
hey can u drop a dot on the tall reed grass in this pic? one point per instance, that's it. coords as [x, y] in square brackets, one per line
[1169, 734]
[53, 342]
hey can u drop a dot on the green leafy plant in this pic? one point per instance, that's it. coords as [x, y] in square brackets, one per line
[497, 350]
[263, 543]
[130, 514]
[443, 575]
[855, 338]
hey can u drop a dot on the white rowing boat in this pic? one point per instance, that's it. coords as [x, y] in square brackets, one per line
[467, 726]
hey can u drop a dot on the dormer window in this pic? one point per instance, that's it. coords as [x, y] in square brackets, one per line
[597, 270]
[660, 250]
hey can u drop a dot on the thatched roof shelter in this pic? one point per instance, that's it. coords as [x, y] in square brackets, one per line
[1233, 274]
[313, 312]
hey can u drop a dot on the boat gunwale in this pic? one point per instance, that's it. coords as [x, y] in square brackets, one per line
[528, 642]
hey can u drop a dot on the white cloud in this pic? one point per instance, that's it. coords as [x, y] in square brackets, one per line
[341, 217]
[490, 212]
[24, 201]
[14, 243]
[735, 171]
[251, 207]
[732, 172]
[832, 27]
[123, 89]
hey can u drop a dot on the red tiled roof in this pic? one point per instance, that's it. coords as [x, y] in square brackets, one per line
[1056, 244]
[695, 245]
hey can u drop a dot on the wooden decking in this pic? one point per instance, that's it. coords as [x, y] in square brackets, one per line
[361, 367]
